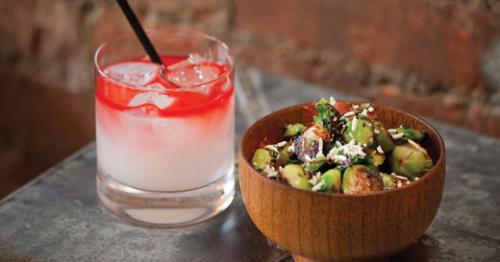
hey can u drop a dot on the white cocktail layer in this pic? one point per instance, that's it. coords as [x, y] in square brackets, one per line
[156, 153]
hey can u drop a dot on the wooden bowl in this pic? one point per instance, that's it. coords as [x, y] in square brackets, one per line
[317, 226]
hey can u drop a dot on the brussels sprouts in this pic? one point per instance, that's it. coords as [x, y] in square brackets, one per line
[410, 160]
[294, 175]
[383, 138]
[313, 166]
[411, 133]
[307, 144]
[376, 158]
[388, 181]
[293, 130]
[360, 179]
[261, 158]
[361, 130]
[331, 180]
[284, 156]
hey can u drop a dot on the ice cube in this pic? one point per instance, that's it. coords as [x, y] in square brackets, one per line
[133, 73]
[160, 100]
[193, 71]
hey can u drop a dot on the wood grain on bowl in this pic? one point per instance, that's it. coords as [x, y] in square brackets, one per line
[337, 227]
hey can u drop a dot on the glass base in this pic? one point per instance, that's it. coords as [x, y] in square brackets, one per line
[165, 209]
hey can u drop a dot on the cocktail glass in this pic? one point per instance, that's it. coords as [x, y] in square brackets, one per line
[165, 136]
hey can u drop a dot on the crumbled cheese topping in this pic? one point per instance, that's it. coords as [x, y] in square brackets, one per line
[379, 149]
[332, 101]
[291, 148]
[376, 131]
[315, 179]
[371, 109]
[350, 113]
[395, 134]
[281, 144]
[354, 124]
[272, 148]
[318, 186]
[270, 171]
[340, 154]
[364, 112]
[355, 106]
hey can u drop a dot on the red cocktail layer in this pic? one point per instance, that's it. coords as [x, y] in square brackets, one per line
[187, 100]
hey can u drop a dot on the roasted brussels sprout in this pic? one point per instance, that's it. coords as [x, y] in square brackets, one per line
[294, 175]
[410, 160]
[284, 156]
[360, 179]
[361, 130]
[383, 138]
[293, 130]
[376, 158]
[307, 145]
[411, 133]
[313, 166]
[388, 181]
[261, 158]
[331, 180]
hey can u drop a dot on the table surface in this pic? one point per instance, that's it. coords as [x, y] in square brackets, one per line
[57, 217]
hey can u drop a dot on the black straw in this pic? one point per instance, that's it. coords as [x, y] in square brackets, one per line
[139, 31]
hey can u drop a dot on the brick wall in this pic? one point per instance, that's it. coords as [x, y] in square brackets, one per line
[439, 58]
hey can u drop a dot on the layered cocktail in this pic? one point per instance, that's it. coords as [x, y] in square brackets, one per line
[165, 135]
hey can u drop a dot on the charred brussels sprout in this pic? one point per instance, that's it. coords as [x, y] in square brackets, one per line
[360, 179]
[410, 160]
[295, 177]
[383, 138]
[293, 130]
[261, 158]
[307, 144]
[361, 130]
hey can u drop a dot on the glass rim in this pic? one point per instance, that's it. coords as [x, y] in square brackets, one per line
[194, 32]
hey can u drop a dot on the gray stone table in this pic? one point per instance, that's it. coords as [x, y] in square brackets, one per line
[57, 217]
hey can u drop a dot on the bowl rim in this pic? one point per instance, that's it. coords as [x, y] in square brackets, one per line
[422, 179]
